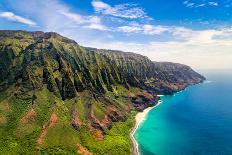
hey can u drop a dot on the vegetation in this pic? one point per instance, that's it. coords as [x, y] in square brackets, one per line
[18, 137]
[57, 97]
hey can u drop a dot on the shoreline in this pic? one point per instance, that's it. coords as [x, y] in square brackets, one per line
[139, 118]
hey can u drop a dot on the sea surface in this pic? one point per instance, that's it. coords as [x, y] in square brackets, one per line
[196, 121]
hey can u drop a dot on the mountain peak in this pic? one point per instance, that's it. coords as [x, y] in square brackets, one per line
[36, 35]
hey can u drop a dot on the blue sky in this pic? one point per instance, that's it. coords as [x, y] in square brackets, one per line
[194, 32]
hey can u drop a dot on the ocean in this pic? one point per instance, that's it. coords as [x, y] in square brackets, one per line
[196, 121]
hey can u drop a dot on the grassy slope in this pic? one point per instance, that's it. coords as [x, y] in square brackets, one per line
[17, 137]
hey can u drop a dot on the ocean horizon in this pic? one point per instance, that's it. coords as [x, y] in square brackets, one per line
[196, 121]
[89, 77]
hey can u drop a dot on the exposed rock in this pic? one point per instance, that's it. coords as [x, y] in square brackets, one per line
[115, 116]
[106, 122]
[143, 100]
[75, 122]
[95, 123]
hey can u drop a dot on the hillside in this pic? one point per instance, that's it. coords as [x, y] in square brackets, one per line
[59, 97]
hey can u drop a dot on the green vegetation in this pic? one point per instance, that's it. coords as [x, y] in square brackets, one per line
[17, 137]
[117, 140]
[57, 97]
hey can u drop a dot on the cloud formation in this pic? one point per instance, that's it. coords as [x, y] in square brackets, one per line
[130, 11]
[192, 4]
[53, 15]
[11, 16]
[146, 29]
[92, 22]
[201, 49]
[213, 3]
[205, 48]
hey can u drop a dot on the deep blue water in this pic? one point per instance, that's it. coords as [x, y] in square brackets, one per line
[197, 121]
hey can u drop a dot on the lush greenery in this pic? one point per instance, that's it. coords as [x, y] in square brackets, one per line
[17, 137]
[57, 97]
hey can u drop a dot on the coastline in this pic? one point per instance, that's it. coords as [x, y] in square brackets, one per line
[139, 118]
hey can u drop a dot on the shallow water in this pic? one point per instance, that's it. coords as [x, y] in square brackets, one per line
[197, 121]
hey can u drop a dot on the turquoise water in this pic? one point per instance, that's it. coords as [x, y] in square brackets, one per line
[197, 121]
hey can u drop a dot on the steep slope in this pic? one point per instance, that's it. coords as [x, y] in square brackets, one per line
[159, 77]
[59, 97]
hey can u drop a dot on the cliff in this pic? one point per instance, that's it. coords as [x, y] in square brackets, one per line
[57, 96]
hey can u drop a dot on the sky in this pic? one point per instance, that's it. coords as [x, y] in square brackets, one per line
[193, 32]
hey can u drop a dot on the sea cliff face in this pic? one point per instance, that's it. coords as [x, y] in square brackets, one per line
[59, 96]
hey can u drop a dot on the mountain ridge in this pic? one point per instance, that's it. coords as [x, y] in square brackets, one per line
[49, 82]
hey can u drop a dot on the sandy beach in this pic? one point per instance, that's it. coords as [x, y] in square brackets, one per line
[139, 118]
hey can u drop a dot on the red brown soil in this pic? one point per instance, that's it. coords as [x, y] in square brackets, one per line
[145, 94]
[52, 121]
[78, 121]
[111, 109]
[75, 119]
[129, 106]
[30, 115]
[98, 134]
[130, 94]
[105, 122]
[82, 150]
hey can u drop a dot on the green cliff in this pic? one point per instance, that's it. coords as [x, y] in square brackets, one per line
[57, 97]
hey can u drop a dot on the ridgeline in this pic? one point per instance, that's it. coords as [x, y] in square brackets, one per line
[57, 97]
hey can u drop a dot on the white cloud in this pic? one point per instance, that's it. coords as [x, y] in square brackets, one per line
[53, 15]
[198, 48]
[213, 3]
[201, 5]
[75, 17]
[152, 30]
[201, 49]
[190, 4]
[185, 2]
[129, 29]
[130, 11]
[11, 16]
[146, 29]
[96, 27]
[92, 22]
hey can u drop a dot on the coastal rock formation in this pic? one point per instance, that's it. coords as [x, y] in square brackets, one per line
[93, 92]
